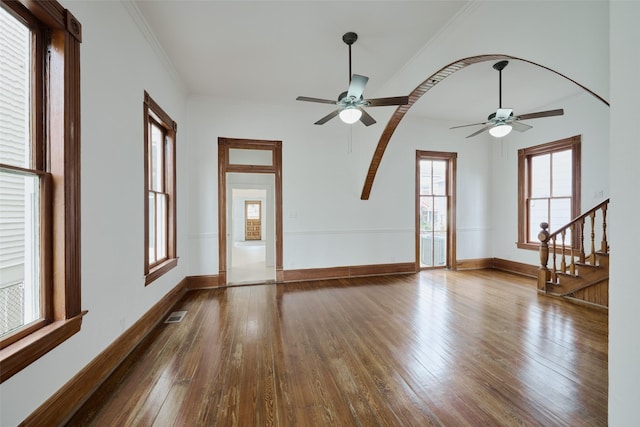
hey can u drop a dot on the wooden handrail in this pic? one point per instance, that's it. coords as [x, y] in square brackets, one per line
[576, 219]
[547, 239]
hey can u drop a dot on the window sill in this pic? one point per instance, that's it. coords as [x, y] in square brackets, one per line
[159, 270]
[22, 353]
[528, 246]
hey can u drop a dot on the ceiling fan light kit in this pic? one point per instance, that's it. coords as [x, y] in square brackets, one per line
[500, 123]
[500, 130]
[350, 103]
[350, 115]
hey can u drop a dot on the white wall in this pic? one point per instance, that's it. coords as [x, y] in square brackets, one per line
[117, 66]
[325, 223]
[624, 304]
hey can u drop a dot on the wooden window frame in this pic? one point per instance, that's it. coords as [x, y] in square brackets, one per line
[452, 160]
[153, 113]
[524, 183]
[55, 127]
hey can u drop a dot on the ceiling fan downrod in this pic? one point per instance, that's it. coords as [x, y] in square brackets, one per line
[350, 38]
[500, 66]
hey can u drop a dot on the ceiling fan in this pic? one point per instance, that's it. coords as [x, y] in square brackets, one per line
[351, 102]
[501, 122]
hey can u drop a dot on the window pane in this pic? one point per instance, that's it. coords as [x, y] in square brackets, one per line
[152, 228]
[439, 248]
[426, 213]
[538, 212]
[541, 176]
[440, 214]
[161, 226]
[560, 213]
[425, 177]
[562, 172]
[439, 182]
[156, 159]
[240, 156]
[19, 250]
[15, 49]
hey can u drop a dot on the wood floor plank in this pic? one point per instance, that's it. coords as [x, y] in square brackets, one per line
[437, 348]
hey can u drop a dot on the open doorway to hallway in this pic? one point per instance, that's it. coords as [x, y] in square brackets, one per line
[251, 248]
[254, 168]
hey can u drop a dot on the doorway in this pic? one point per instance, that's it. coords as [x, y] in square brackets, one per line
[435, 210]
[251, 229]
[249, 211]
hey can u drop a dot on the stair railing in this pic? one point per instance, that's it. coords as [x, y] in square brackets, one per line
[568, 241]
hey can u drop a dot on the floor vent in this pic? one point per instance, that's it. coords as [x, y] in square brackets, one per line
[175, 317]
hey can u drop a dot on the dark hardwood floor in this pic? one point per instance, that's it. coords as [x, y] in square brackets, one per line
[475, 348]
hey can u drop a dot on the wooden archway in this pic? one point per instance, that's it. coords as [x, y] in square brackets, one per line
[423, 88]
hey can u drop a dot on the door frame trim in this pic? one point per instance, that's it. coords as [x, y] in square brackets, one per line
[224, 166]
[451, 159]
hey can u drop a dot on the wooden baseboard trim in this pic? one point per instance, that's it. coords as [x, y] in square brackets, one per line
[63, 404]
[515, 267]
[474, 264]
[347, 272]
[203, 282]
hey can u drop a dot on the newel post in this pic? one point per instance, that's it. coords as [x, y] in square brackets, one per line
[543, 271]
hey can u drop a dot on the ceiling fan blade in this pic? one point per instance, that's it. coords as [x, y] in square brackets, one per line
[473, 124]
[328, 117]
[366, 118]
[381, 102]
[320, 100]
[520, 127]
[539, 114]
[479, 131]
[357, 85]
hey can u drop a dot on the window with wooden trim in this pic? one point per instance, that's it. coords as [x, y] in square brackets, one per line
[548, 188]
[39, 181]
[160, 194]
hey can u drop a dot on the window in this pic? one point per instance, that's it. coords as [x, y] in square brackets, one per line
[39, 181]
[548, 188]
[160, 185]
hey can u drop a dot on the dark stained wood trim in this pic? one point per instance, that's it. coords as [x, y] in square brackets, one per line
[29, 349]
[474, 264]
[451, 159]
[203, 282]
[348, 271]
[422, 89]
[63, 404]
[524, 154]
[224, 144]
[515, 267]
[315, 274]
[153, 112]
[59, 126]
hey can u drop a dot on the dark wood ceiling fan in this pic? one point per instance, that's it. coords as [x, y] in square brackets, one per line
[351, 102]
[501, 122]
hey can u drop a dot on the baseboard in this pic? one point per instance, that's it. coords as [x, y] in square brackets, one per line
[202, 282]
[474, 264]
[515, 267]
[306, 274]
[66, 401]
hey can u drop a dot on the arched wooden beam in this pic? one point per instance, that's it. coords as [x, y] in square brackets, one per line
[423, 88]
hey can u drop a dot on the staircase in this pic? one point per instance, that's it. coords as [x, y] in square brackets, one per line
[575, 271]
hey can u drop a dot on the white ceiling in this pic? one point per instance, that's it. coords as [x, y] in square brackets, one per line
[273, 51]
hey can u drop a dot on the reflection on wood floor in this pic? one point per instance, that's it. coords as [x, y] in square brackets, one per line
[436, 348]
